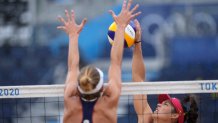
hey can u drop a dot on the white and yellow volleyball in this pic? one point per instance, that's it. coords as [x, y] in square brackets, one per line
[129, 36]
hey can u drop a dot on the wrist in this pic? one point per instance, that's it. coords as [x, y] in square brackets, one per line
[73, 35]
[121, 27]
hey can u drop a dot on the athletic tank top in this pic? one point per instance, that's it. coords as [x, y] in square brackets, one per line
[87, 107]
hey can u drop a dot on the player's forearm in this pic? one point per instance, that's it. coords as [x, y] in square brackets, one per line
[118, 45]
[138, 104]
[138, 67]
[73, 52]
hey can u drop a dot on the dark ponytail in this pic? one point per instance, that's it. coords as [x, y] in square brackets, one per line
[190, 109]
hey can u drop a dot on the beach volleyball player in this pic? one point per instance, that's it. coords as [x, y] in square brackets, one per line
[86, 100]
[169, 110]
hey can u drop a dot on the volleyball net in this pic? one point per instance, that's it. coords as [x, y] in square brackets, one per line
[44, 103]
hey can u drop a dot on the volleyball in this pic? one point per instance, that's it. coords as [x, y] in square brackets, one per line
[129, 36]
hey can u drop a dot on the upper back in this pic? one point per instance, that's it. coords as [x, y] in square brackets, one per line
[105, 108]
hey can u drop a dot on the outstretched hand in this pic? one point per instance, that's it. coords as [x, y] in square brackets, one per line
[126, 14]
[69, 25]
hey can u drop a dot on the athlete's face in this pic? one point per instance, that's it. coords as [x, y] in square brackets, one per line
[163, 111]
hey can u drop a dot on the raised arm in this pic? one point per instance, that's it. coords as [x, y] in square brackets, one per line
[121, 21]
[141, 105]
[138, 66]
[73, 30]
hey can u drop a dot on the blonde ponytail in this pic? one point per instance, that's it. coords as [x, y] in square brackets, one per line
[86, 83]
[88, 79]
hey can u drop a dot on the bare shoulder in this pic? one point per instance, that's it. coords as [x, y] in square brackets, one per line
[72, 104]
[111, 94]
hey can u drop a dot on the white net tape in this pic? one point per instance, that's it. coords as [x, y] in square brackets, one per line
[128, 88]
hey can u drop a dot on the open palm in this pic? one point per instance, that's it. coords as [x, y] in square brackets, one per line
[69, 25]
[126, 14]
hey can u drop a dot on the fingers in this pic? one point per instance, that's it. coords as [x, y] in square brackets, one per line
[135, 15]
[73, 15]
[61, 28]
[83, 22]
[67, 15]
[137, 24]
[138, 31]
[112, 13]
[124, 5]
[129, 4]
[135, 7]
[69, 18]
[61, 19]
